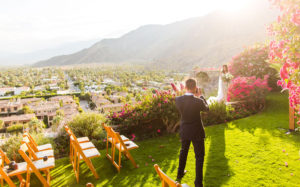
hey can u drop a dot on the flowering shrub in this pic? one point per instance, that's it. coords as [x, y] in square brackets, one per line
[159, 106]
[253, 62]
[157, 113]
[285, 48]
[251, 90]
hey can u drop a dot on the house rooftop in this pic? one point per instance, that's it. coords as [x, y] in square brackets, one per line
[23, 117]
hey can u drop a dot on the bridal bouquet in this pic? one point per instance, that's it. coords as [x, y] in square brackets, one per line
[227, 77]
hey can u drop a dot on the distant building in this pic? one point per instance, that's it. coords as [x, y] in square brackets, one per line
[19, 90]
[14, 90]
[45, 110]
[70, 111]
[3, 91]
[111, 107]
[66, 99]
[8, 107]
[99, 100]
[17, 119]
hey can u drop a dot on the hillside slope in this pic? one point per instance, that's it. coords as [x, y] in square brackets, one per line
[209, 41]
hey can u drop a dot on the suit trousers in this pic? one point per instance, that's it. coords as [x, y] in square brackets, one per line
[199, 155]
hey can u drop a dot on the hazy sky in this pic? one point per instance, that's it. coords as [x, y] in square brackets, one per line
[30, 25]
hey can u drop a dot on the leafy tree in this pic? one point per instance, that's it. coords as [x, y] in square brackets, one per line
[108, 91]
[36, 125]
[60, 113]
[27, 110]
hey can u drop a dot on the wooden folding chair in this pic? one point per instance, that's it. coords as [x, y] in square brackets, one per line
[35, 146]
[83, 142]
[36, 155]
[4, 176]
[109, 139]
[36, 166]
[78, 154]
[166, 180]
[122, 147]
[3, 171]
[5, 160]
[80, 140]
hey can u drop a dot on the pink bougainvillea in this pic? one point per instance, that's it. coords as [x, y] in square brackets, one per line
[247, 88]
[285, 47]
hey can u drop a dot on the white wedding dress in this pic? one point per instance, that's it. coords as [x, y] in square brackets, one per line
[221, 96]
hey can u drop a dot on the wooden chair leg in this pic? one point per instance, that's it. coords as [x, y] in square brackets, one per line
[77, 168]
[71, 151]
[20, 178]
[131, 159]
[91, 166]
[113, 153]
[48, 176]
[107, 145]
[120, 158]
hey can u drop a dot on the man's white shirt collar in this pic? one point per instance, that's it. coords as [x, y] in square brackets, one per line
[188, 94]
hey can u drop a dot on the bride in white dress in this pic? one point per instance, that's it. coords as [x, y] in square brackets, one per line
[222, 88]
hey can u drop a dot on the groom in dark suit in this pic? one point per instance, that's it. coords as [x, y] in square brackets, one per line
[191, 128]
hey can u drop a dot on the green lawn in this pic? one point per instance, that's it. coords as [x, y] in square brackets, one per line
[245, 152]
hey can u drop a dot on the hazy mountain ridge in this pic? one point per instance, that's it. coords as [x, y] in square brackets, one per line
[208, 41]
[32, 57]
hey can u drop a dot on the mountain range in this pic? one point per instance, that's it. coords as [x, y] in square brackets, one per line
[207, 41]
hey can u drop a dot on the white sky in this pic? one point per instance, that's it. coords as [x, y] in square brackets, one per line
[30, 25]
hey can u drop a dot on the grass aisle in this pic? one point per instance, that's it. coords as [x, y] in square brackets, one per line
[245, 152]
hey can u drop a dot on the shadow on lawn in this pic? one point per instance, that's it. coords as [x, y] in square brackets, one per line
[217, 170]
[165, 157]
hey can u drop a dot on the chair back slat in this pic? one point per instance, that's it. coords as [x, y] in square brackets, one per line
[165, 179]
[71, 134]
[118, 139]
[4, 158]
[31, 141]
[24, 147]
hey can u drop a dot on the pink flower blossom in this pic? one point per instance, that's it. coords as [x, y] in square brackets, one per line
[158, 130]
[174, 87]
[296, 17]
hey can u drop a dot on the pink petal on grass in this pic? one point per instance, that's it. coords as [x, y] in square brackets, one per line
[292, 174]
[283, 150]
[153, 160]
[286, 164]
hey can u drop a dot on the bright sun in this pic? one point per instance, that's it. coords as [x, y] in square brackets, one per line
[232, 5]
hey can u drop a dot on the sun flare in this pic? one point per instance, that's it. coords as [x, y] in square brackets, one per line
[232, 5]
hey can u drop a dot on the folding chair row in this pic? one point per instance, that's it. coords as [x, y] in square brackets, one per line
[28, 167]
[81, 149]
[121, 143]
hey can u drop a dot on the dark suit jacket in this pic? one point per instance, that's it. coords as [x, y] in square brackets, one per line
[191, 126]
